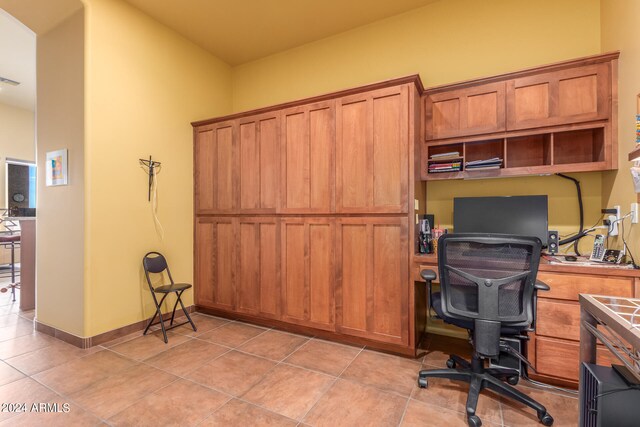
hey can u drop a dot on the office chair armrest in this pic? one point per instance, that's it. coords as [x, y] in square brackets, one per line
[429, 276]
[540, 286]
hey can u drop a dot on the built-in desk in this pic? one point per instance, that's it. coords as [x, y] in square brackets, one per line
[554, 349]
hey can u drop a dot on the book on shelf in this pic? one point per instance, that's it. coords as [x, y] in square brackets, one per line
[483, 163]
[445, 165]
[443, 156]
[478, 168]
[444, 170]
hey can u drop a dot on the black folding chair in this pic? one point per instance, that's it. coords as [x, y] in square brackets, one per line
[154, 262]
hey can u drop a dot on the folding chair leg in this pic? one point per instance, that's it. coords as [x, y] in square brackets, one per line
[159, 314]
[187, 314]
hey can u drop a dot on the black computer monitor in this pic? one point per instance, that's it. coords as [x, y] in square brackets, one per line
[520, 215]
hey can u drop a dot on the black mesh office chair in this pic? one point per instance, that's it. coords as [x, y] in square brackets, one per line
[487, 286]
[154, 262]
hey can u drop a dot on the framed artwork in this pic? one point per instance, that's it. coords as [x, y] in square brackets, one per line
[57, 168]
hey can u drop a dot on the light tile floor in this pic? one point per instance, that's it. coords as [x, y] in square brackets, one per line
[230, 373]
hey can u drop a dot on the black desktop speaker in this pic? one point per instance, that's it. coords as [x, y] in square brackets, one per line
[552, 242]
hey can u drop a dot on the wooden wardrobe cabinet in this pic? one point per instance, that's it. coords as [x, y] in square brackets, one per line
[216, 163]
[573, 95]
[216, 244]
[308, 271]
[372, 151]
[258, 266]
[258, 142]
[373, 278]
[467, 111]
[307, 159]
[303, 210]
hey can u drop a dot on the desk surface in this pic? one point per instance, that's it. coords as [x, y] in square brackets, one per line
[546, 265]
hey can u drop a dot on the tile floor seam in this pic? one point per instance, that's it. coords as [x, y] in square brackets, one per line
[406, 406]
[213, 412]
[68, 398]
[330, 386]
[143, 397]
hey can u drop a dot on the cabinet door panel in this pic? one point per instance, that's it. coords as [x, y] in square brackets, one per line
[353, 252]
[567, 96]
[373, 287]
[372, 146]
[353, 171]
[308, 271]
[215, 270]
[215, 163]
[308, 151]
[467, 111]
[258, 146]
[258, 266]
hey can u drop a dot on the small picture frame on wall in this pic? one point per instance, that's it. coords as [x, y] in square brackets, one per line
[56, 168]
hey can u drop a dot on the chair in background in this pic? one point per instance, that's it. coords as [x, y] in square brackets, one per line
[155, 263]
[10, 238]
[487, 286]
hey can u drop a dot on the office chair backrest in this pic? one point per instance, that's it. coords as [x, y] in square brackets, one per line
[155, 262]
[488, 277]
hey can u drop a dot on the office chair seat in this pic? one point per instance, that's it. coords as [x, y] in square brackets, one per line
[173, 287]
[466, 323]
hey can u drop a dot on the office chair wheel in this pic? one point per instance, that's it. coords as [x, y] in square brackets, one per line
[513, 380]
[474, 421]
[422, 382]
[451, 364]
[546, 419]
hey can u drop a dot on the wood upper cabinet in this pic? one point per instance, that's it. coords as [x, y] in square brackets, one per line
[307, 147]
[467, 111]
[258, 267]
[572, 95]
[308, 271]
[373, 278]
[259, 158]
[372, 145]
[216, 165]
[215, 262]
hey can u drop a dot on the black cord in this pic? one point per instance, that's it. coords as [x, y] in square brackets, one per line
[607, 393]
[624, 242]
[581, 233]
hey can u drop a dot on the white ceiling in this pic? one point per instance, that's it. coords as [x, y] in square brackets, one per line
[17, 62]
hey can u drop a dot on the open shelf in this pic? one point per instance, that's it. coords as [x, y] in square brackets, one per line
[530, 150]
[574, 150]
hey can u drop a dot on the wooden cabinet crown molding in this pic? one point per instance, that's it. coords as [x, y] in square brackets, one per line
[555, 66]
[414, 78]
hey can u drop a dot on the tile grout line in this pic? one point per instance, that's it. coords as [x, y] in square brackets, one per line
[330, 386]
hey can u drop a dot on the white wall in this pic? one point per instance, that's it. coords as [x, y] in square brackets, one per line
[17, 140]
[60, 215]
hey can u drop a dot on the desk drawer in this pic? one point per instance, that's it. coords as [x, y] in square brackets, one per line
[568, 286]
[558, 319]
[559, 358]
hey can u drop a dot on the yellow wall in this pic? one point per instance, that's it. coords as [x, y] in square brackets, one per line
[144, 85]
[447, 41]
[17, 139]
[444, 42]
[60, 286]
[620, 31]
